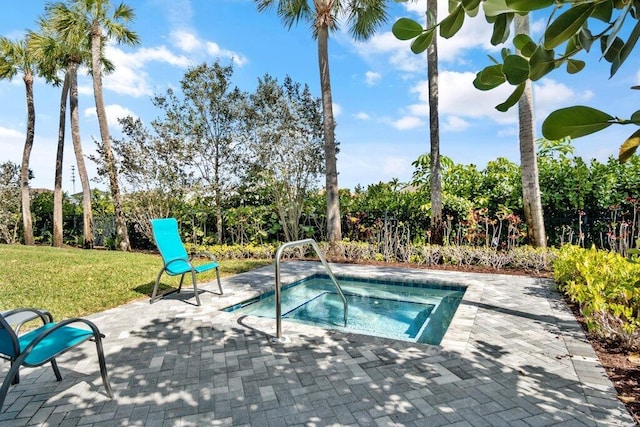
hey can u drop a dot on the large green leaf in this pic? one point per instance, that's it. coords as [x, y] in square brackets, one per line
[611, 49]
[495, 7]
[524, 44]
[513, 98]
[516, 69]
[603, 11]
[528, 5]
[501, 28]
[629, 147]
[452, 23]
[541, 63]
[635, 117]
[489, 78]
[575, 122]
[585, 38]
[471, 7]
[575, 66]
[406, 29]
[422, 42]
[626, 49]
[567, 24]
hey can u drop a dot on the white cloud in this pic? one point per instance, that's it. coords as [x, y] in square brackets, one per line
[337, 109]
[185, 41]
[458, 97]
[130, 77]
[114, 112]
[361, 116]
[214, 50]
[408, 122]
[394, 166]
[455, 124]
[372, 78]
[549, 95]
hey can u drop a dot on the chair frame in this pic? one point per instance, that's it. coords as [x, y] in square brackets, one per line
[192, 268]
[19, 357]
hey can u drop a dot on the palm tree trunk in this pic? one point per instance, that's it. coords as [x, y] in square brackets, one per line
[110, 165]
[334, 231]
[437, 228]
[528, 161]
[27, 221]
[87, 222]
[57, 189]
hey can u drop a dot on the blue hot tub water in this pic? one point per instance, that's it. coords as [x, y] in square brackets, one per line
[416, 312]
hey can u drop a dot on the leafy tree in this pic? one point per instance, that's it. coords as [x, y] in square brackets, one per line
[205, 116]
[153, 172]
[284, 138]
[95, 19]
[16, 58]
[362, 18]
[567, 34]
[10, 206]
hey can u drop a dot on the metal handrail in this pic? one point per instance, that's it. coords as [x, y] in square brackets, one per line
[278, 337]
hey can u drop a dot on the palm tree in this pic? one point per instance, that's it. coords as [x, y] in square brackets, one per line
[363, 18]
[15, 57]
[94, 18]
[69, 50]
[435, 182]
[528, 162]
[52, 58]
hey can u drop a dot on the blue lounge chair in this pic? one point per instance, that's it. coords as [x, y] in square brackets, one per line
[42, 345]
[175, 257]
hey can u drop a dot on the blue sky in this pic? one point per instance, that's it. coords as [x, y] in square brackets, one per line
[379, 86]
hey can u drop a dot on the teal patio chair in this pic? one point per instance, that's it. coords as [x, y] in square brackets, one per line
[175, 257]
[43, 344]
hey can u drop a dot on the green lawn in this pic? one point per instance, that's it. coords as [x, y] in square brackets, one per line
[76, 282]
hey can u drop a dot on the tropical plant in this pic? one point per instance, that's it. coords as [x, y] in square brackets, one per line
[99, 24]
[16, 58]
[528, 162]
[362, 18]
[568, 25]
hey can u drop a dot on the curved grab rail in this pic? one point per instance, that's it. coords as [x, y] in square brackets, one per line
[278, 337]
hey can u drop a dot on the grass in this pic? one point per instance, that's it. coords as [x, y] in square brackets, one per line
[75, 282]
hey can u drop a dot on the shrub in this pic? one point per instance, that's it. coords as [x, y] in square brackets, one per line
[606, 287]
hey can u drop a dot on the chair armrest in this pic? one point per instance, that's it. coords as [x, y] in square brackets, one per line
[93, 329]
[203, 254]
[20, 316]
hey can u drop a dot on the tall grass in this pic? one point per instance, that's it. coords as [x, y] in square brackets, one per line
[76, 282]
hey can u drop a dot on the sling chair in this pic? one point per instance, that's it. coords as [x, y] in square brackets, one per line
[175, 258]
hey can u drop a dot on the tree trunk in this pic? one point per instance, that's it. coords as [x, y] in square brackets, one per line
[58, 220]
[110, 166]
[334, 231]
[87, 221]
[528, 162]
[27, 222]
[437, 228]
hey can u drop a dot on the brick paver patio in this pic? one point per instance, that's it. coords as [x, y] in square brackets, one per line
[513, 356]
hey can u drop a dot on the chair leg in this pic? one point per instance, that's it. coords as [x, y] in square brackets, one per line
[103, 365]
[16, 378]
[56, 371]
[154, 296]
[181, 280]
[8, 380]
[195, 287]
[219, 284]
